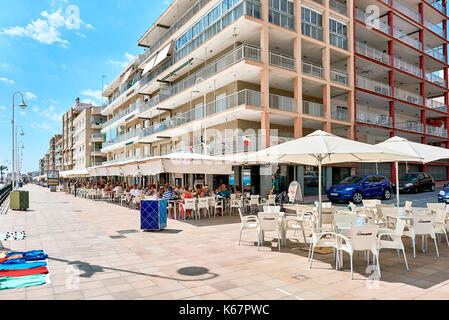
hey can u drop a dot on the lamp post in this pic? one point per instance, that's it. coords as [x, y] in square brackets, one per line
[17, 151]
[196, 90]
[21, 146]
[23, 106]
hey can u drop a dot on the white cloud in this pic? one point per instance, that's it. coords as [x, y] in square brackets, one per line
[89, 101]
[96, 94]
[2, 108]
[89, 26]
[7, 80]
[30, 96]
[129, 57]
[64, 67]
[48, 113]
[44, 126]
[4, 65]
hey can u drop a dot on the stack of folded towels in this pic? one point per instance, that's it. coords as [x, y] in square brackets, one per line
[23, 269]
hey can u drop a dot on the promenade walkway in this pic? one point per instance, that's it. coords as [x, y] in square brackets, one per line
[193, 260]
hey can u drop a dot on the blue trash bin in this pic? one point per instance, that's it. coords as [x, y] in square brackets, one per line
[153, 215]
[20, 184]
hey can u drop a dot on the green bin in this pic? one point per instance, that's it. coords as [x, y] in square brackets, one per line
[19, 200]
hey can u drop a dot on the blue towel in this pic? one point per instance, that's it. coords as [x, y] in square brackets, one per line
[14, 261]
[33, 255]
[21, 266]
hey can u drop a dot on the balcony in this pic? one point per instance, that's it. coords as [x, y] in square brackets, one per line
[436, 131]
[282, 61]
[410, 126]
[436, 105]
[313, 70]
[339, 77]
[313, 108]
[340, 114]
[372, 53]
[436, 53]
[374, 86]
[407, 67]
[282, 103]
[244, 97]
[398, 34]
[97, 136]
[436, 79]
[437, 5]
[180, 22]
[312, 30]
[406, 10]
[374, 22]
[124, 88]
[434, 27]
[408, 96]
[374, 119]
[121, 115]
[338, 40]
[338, 6]
[241, 53]
[248, 7]
[121, 138]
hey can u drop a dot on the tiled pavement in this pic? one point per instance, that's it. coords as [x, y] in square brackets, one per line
[194, 260]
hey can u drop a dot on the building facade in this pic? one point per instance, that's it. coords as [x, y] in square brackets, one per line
[223, 77]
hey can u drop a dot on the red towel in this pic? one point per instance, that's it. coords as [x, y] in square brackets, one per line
[23, 272]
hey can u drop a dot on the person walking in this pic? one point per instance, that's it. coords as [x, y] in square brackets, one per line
[275, 185]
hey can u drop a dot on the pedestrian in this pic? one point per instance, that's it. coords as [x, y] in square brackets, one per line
[275, 185]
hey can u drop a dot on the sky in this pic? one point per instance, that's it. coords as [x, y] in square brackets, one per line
[54, 51]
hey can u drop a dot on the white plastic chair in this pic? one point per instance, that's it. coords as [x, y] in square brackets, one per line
[252, 202]
[272, 209]
[268, 222]
[440, 224]
[390, 216]
[234, 203]
[422, 226]
[213, 203]
[395, 241]
[248, 223]
[203, 203]
[190, 204]
[408, 206]
[321, 240]
[363, 238]
[436, 206]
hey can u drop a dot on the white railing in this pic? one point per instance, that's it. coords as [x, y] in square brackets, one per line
[312, 69]
[434, 27]
[436, 131]
[436, 105]
[313, 108]
[340, 114]
[371, 85]
[339, 77]
[96, 135]
[398, 34]
[121, 138]
[373, 22]
[436, 79]
[372, 53]
[282, 61]
[407, 67]
[410, 126]
[338, 6]
[374, 119]
[408, 96]
[435, 52]
[133, 107]
[407, 10]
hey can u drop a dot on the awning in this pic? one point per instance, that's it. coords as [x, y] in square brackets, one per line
[92, 172]
[130, 170]
[171, 74]
[162, 55]
[101, 172]
[151, 168]
[195, 163]
[149, 66]
[114, 171]
[127, 75]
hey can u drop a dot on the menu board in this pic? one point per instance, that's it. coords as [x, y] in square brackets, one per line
[53, 178]
[295, 192]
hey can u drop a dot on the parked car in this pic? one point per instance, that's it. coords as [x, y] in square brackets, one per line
[357, 188]
[443, 195]
[416, 182]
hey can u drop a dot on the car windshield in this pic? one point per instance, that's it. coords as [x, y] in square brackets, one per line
[408, 176]
[352, 180]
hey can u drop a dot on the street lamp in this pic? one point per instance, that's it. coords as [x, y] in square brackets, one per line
[17, 149]
[197, 90]
[19, 165]
[23, 106]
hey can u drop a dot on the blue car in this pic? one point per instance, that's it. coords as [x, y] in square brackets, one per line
[357, 188]
[443, 195]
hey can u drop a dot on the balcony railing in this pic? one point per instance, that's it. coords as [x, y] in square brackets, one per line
[372, 53]
[179, 23]
[398, 34]
[312, 30]
[410, 126]
[371, 85]
[338, 6]
[436, 53]
[340, 114]
[241, 53]
[97, 135]
[133, 107]
[407, 67]
[122, 138]
[373, 22]
[434, 27]
[408, 96]
[438, 5]
[436, 131]
[282, 103]
[436, 79]
[313, 108]
[123, 89]
[339, 77]
[407, 10]
[243, 97]
[282, 61]
[436, 105]
[312, 69]
[374, 119]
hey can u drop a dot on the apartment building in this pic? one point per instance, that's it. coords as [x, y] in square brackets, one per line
[58, 154]
[52, 152]
[235, 76]
[87, 138]
[42, 166]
